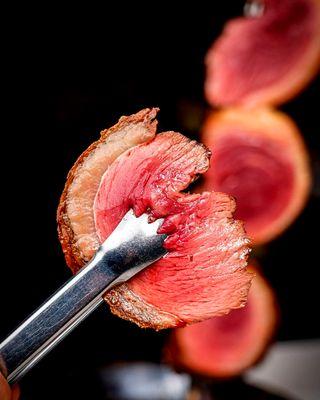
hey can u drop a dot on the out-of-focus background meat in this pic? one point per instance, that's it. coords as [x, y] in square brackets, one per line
[71, 73]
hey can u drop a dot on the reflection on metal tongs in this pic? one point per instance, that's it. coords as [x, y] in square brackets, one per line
[132, 246]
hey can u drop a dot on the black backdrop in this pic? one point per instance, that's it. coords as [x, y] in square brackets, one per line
[70, 74]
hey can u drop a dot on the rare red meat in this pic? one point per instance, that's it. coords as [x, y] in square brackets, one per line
[265, 58]
[225, 346]
[204, 273]
[260, 159]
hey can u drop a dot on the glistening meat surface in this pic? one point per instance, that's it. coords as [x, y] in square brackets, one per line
[204, 274]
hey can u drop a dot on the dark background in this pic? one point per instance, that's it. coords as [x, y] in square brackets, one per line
[68, 75]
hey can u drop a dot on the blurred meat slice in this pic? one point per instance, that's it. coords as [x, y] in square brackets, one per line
[266, 57]
[259, 157]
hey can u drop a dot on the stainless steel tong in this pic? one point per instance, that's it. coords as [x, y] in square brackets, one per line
[132, 246]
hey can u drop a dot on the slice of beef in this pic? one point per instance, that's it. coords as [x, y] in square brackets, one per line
[204, 273]
[259, 158]
[267, 56]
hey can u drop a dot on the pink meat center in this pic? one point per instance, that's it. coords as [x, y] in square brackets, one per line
[223, 333]
[257, 173]
[203, 273]
[233, 324]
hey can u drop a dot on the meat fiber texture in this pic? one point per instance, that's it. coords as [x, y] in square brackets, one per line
[267, 56]
[204, 273]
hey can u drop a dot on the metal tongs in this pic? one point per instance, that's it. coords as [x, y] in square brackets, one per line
[132, 246]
